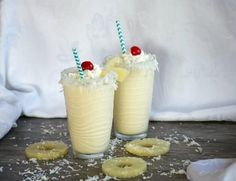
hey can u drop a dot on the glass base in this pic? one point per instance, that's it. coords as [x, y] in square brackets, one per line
[88, 156]
[130, 137]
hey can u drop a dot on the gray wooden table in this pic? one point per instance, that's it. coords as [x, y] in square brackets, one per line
[191, 141]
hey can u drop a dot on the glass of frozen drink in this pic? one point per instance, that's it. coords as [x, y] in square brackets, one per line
[133, 97]
[89, 105]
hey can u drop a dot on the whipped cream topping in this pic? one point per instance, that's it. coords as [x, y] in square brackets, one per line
[92, 74]
[92, 78]
[128, 57]
[142, 61]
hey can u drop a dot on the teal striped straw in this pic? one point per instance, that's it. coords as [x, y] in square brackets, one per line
[121, 38]
[78, 64]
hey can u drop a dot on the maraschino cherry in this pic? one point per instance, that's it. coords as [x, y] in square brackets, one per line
[87, 65]
[135, 50]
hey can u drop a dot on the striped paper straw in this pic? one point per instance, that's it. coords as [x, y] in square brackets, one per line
[78, 64]
[121, 38]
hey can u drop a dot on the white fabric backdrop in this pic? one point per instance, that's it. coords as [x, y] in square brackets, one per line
[193, 40]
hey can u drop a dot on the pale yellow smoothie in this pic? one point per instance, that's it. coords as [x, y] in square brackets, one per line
[133, 97]
[89, 104]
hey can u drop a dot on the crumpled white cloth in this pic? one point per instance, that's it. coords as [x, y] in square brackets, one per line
[194, 42]
[212, 170]
[10, 110]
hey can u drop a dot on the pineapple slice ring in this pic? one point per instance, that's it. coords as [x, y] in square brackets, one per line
[46, 150]
[122, 73]
[148, 147]
[111, 65]
[124, 167]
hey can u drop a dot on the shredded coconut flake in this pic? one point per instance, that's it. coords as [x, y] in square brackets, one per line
[93, 178]
[148, 176]
[163, 173]
[173, 171]
[193, 143]
[112, 146]
[54, 170]
[92, 164]
[156, 158]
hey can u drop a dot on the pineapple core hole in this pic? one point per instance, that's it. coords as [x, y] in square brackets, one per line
[147, 145]
[46, 147]
[124, 165]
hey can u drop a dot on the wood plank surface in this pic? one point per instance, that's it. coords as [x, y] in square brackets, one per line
[190, 141]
